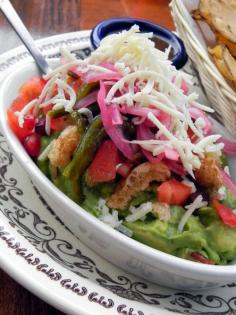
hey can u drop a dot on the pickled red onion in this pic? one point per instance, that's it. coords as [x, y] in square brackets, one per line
[228, 182]
[175, 167]
[184, 87]
[229, 146]
[139, 111]
[98, 76]
[198, 113]
[116, 117]
[171, 154]
[144, 133]
[113, 131]
[87, 100]
[89, 76]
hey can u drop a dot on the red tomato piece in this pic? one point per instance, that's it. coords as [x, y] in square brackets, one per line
[180, 192]
[17, 106]
[103, 167]
[173, 192]
[32, 144]
[60, 123]
[164, 192]
[32, 88]
[18, 103]
[47, 109]
[225, 213]
[200, 258]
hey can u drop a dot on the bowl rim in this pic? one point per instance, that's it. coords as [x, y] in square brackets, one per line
[114, 25]
[168, 262]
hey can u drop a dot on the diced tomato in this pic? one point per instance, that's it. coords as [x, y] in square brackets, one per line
[173, 192]
[192, 135]
[32, 144]
[32, 88]
[225, 213]
[60, 123]
[200, 258]
[18, 104]
[28, 126]
[103, 167]
[164, 192]
[124, 169]
[47, 109]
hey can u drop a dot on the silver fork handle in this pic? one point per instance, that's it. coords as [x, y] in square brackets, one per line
[15, 21]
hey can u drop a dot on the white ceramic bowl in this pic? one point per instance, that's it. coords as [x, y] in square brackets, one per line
[127, 253]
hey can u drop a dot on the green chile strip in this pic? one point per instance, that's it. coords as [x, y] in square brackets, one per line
[86, 150]
[86, 89]
[54, 113]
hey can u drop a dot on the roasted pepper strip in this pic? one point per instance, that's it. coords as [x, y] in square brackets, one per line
[86, 150]
[54, 113]
[70, 186]
[80, 121]
[86, 89]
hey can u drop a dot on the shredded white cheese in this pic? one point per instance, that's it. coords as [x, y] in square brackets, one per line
[189, 183]
[110, 219]
[87, 112]
[48, 125]
[24, 111]
[67, 55]
[221, 193]
[139, 213]
[196, 204]
[43, 155]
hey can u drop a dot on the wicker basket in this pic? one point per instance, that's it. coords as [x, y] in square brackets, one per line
[222, 97]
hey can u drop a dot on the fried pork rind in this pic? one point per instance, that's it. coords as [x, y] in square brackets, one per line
[138, 180]
[63, 148]
[208, 175]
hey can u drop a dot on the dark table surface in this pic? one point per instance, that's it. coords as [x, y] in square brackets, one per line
[49, 17]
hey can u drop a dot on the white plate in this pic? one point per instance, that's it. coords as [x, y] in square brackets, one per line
[40, 253]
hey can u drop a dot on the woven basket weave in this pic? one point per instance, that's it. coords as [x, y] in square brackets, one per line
[222, 97]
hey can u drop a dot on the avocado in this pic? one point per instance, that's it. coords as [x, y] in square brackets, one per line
[221, 238]
[166, 237]
[204, 232]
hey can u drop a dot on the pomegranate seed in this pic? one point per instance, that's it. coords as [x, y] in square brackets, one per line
[32, 144]
[29, 122]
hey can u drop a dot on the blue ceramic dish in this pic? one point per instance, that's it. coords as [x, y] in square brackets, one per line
[106, 27]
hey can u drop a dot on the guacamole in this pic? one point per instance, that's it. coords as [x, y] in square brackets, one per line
[204, 233]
